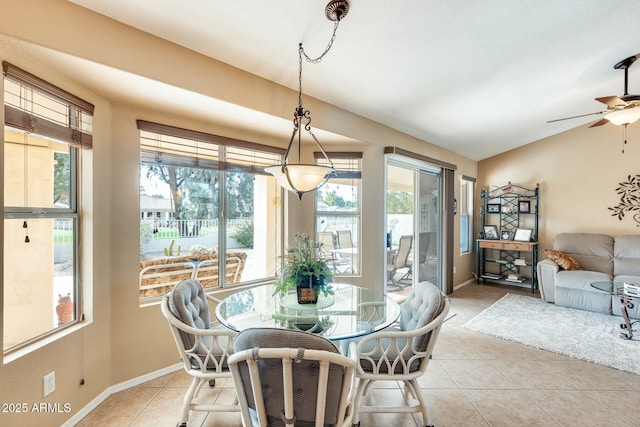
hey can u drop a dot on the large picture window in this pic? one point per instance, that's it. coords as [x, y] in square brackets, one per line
[337, 212]
[207, 210]
[45, 130]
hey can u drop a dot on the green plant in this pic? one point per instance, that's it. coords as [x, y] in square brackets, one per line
[168, 251]
[304, 265]
[244, 236]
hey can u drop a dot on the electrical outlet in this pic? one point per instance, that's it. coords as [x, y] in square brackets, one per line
[49, 383]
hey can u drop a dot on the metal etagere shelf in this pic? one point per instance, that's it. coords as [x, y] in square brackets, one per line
[507, 247]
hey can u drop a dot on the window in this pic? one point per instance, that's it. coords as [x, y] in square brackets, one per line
[45, 130]
[207, 210]
[337, 212]
[465, 209]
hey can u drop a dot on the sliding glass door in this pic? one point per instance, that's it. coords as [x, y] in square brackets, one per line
[414, 218]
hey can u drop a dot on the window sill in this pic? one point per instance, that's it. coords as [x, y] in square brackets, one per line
[37, 345]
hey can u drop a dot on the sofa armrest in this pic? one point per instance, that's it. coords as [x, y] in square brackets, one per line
[547, 270]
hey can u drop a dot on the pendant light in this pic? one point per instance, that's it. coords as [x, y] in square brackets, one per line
[299, 177]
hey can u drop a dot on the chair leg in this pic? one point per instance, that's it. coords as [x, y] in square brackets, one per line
[188, 397]
[415, 390]
[406, 275]
[357, 401]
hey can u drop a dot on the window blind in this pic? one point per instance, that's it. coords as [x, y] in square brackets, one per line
[346, 164]
[183, 147]
[34, 105]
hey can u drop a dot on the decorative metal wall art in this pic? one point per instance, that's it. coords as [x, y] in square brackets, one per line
[629, 199]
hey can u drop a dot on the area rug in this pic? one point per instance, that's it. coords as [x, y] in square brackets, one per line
[584, 335]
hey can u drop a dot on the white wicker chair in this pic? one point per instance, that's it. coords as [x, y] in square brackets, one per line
[286, 377]
[203, 350]
[402, 352]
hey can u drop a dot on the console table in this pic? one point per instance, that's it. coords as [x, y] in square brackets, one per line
[498, 259]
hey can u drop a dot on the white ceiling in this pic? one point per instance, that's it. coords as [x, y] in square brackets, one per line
[478, 77]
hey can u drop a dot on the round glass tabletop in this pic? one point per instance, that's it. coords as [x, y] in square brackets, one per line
[614, 288]
[350, 312]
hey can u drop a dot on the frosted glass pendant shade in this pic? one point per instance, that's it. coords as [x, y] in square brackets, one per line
[301, 178]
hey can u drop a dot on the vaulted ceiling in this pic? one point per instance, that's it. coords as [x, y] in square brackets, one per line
[476, 77]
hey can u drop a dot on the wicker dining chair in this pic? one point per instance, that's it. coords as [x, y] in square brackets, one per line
[401, 352]
[287, 377]
[203, 349]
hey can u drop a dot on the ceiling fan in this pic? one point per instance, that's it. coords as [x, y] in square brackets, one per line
[622, 110]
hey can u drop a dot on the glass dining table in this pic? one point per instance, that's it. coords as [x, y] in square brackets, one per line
[352, 311]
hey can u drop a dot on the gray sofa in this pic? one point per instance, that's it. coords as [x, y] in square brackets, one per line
[602, 257]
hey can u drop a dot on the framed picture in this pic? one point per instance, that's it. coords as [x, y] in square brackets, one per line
[505, 235]
[524, 206]
[522, 234]
[490, 232]
[493, 207]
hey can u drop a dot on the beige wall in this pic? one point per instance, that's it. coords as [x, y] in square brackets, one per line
[125, 341]
[578, 172]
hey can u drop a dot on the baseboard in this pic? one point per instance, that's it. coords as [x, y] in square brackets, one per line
[463, 284]
[118, 388]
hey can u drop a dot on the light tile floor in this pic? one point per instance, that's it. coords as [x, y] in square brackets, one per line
[473, 380]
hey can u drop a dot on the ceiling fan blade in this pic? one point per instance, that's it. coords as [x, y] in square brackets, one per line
[612, 101]
[575, 117]
[599, 123]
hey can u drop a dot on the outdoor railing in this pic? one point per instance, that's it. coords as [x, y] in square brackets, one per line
[166, 229]
[173, 229]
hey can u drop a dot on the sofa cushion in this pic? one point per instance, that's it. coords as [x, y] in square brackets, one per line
[573, 289]
[580, 279]
[594, 252]
[564, 261]
[627, 256]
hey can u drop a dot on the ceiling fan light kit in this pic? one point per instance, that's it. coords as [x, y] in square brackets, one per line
[624, 117]
[298, 177]
[621, 111]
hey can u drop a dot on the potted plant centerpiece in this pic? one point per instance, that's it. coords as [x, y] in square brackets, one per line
[306, 269]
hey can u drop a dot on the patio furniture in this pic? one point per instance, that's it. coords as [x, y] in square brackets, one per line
[158, 276]
[400, 259]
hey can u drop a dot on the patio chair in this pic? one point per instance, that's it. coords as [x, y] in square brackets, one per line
[286, 377]
[401, 258]
[424, 240]
[325, 238]
[344, 239]
[203, 350]
[338, 263]
[401, 352]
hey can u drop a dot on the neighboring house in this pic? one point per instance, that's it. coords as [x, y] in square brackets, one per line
[153, 207]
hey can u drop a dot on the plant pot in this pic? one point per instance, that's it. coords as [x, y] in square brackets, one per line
[308, 288]
[307, 293]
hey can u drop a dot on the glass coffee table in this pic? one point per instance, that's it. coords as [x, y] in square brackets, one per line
[626, 302]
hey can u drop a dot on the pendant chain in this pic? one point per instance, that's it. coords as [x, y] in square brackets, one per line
[302, 53]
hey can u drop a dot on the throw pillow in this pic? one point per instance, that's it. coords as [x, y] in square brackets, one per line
[565, 261]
